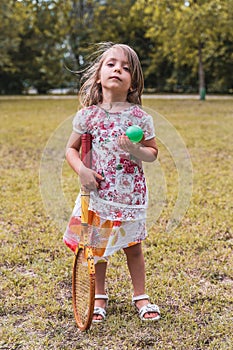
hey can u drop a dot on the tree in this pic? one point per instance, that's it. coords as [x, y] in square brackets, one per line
[12, 19]
[157, 66]
[185, 32]
[37, 59]
[43, 45]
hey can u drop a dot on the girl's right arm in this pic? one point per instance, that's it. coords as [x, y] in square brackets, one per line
[87, 176]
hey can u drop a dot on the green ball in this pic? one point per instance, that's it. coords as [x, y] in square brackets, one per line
[134, 133]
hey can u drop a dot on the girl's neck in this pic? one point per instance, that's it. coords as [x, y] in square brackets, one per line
[114, 107]
[114, 103]
[110, 96]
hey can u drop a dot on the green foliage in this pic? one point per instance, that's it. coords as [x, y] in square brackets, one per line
[13, 16]
[42, 46]
[174, 39]
[12, 19]
[189, 271]
[179, 31]
[37, 59]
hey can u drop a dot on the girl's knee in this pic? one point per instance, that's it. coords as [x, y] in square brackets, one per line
[134, 250]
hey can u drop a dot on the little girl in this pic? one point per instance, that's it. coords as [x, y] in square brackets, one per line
[111, 97]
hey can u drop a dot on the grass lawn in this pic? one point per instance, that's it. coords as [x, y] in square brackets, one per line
[189, 271]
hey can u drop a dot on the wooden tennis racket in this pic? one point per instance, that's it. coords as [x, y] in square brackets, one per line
[83, 278]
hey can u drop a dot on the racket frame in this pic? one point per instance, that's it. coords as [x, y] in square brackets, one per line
[84, 248]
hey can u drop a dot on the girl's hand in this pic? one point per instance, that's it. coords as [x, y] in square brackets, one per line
[146, 150]
[89, 178]
[128, 146]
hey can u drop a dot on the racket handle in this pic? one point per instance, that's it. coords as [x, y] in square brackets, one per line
[86, 149]
[85, 198]
[85, 195]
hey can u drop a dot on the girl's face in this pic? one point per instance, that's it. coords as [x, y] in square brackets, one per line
[114, 75]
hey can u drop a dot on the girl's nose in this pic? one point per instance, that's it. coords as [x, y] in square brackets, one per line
[117, 69]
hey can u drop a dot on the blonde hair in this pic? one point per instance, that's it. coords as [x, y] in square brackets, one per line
[91, 92]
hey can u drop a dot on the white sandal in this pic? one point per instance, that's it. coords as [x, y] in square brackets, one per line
[100, 311]
[153, 308]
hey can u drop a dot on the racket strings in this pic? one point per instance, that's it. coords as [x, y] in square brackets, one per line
[82, 288]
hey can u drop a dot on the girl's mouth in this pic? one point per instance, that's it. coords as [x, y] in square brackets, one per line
[115, 77]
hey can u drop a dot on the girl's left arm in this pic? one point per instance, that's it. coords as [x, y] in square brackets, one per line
[146, 150]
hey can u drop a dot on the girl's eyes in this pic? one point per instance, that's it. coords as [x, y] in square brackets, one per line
[126, 68]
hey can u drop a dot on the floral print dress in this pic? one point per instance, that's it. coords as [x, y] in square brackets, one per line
[117, 210]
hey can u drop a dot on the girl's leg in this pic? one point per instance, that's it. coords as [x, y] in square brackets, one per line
[136, 265]
[100, 274]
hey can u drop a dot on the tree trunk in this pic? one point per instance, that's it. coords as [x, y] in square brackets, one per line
[201, 74]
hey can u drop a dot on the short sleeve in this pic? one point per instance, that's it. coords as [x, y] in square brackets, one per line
[79, 122]
[148, 126]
